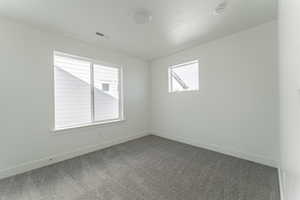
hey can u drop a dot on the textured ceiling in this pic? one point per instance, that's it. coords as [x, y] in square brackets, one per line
[176, 24]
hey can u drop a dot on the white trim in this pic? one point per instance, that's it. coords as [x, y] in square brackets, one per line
[183, 91]
[96, 123]
[213, 147]
[94, 61]
[170, 82]
[28, 166]
[281, 177]
[121, 95]
[184, 63]
[92, 88]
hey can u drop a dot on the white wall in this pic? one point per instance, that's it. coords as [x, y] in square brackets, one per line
[289, 37]
[236, 109]
[26, 106]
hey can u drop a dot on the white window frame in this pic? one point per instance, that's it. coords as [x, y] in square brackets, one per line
[170, 82]
[120, 84]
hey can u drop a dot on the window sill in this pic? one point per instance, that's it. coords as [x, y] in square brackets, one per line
[183, 91]
[57, 130]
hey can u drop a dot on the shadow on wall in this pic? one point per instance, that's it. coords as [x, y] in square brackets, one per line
[106, 106]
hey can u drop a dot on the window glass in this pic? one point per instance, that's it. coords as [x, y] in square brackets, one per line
[72, 92]
[184, 77]
[85, 92]
[106, 91]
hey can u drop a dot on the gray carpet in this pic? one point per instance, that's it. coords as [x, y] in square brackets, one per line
[150, 168]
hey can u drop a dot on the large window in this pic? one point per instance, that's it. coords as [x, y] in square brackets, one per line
[86, 92]
[184, 77]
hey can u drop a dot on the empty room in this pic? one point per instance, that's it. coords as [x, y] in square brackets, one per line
[150, 100]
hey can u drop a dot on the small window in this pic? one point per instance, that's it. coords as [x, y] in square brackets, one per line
[184, 77]
[105, 87]
[86, 92]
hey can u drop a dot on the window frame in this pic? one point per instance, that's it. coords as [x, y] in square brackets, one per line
[92, 103]
[170, 82]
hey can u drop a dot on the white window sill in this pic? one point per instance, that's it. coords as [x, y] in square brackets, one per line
[183, 91]
[57, 130]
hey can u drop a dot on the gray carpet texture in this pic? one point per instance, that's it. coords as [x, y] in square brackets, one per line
[149, 168]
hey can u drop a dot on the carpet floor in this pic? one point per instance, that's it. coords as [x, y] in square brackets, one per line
[149, 168]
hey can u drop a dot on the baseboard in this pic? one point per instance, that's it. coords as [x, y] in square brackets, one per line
[216, 148]
[25, 167]
[281, 177]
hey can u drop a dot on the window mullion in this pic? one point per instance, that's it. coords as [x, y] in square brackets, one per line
[92, 93]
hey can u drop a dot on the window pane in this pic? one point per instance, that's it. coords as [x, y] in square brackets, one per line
[106, 92]
[185, 77]
[72, 91]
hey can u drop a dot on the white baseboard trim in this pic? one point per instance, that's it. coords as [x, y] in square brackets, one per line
[281, 177]
[213, 147]
[28, 166]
